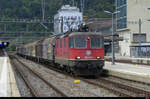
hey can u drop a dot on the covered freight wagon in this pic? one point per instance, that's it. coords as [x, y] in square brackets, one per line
[30, 49]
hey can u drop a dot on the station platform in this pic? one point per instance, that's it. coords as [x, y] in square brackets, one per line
[8, 85]
[129, 71]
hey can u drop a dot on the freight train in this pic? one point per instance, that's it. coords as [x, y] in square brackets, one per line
[80, 53]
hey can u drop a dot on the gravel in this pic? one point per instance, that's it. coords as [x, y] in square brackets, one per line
[66, 83]
[96, 90]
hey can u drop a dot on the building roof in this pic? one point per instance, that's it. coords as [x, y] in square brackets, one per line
[103, 25]
[68, 8]
[99, 23]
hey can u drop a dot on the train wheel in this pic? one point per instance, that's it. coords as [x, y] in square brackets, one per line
[72, 72]
[68, 70]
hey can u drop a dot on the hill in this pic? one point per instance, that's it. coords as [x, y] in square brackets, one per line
[32, 8]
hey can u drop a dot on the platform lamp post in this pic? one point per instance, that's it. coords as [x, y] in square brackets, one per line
[112, 13]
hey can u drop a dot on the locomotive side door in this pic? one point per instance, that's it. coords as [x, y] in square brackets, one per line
[53, 53]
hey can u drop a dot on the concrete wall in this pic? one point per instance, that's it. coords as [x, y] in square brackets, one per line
[138, 9]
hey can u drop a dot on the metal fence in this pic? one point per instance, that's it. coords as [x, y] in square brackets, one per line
[140, 52]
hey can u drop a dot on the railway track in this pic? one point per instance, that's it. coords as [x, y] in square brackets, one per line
[119, 88]
[27, 82]
[137, 91]
[114, 87]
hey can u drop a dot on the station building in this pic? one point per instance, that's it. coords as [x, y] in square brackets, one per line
[135, 43]
[66, 18]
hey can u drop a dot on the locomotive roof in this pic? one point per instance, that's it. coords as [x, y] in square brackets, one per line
[77, 33]
[86, 33]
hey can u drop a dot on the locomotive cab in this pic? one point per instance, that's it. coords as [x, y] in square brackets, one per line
[86, 47]
[87, 53]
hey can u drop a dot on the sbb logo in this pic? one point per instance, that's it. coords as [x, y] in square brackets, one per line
[88, 52]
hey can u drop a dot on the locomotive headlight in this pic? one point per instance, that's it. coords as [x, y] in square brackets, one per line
[98, 57]
[78, 57]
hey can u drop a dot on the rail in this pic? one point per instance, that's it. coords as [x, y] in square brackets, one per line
[38, 75]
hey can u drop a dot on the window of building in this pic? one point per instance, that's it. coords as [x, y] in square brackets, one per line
[122, 16]
[139, 38]
[118, 3]
[125, 11]
[121, 2]
[125, 1]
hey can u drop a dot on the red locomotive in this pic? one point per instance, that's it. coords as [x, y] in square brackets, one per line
[81, 53]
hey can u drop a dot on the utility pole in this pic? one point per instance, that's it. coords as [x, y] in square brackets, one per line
[27, 27]
[140, 39]
[82, 5]
[43, 14]
[43, 9]
[5, 27]
[113, 53]
[73, 2]
[62, 25]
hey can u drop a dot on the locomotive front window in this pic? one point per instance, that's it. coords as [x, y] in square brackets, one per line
[96, 42]
[80, 42]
